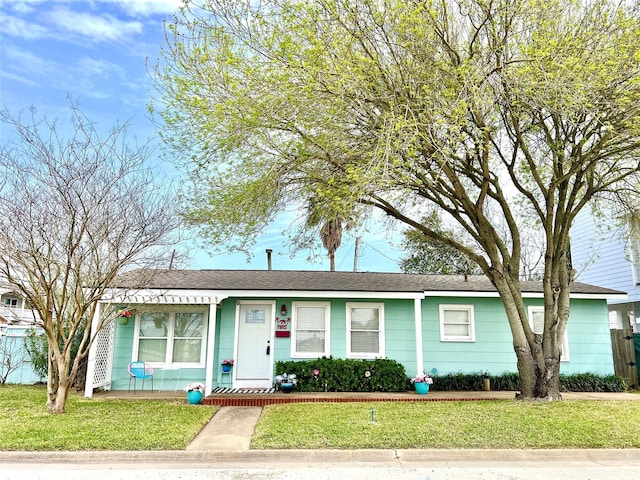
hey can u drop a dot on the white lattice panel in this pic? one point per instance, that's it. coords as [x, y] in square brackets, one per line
[104, 347]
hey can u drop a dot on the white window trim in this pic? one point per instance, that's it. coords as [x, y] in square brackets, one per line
[564, 357]
[381, 337]
[327, 329]
[634, 244]
[170, 338]
[456, 338]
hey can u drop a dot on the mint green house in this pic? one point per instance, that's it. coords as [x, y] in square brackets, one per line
[184, 323]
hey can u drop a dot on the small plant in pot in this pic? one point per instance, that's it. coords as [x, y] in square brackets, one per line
[226, 365]
[422, 382]
[195, 392]
[285, 382]
[124, 316]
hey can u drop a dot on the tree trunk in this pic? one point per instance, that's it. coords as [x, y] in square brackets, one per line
[58, 386]
[57, 399]
[538, 367]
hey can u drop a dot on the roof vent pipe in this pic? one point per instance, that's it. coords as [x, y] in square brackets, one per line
[269, 252]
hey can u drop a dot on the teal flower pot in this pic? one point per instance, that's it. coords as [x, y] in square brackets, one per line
[422, 388]
[286, 387]
[194, 397]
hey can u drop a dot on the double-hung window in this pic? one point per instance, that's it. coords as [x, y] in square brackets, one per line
[365, 330]
[171, 338]
[536, 321]
[457, 323]
[11, 302]
[310, 329]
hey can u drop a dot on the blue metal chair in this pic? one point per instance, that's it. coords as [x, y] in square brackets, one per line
[139, 370]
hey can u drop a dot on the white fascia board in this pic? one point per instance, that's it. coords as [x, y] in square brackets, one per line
[575, 296]
[218, 295]
[600, 296]
[320, 294]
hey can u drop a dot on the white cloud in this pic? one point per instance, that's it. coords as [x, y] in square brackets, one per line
[146, 8]
[26, 61]
[24, 6]
[18, 78]
[97, 28]
[87, 66]
[20, 28]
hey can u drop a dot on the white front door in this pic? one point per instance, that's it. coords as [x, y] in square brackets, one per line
[254, 345]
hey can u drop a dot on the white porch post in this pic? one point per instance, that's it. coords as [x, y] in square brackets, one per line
[211, 340]
[91, 358]
[417, 315]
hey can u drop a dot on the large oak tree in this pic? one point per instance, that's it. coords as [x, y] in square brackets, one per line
[490, 111]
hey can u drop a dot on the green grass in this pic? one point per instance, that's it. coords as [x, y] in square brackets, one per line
[91, 424]
[484, 424]
[100, 424]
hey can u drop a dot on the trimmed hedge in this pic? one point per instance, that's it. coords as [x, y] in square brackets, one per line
[346, 375]
[580, 382]
[384, 375]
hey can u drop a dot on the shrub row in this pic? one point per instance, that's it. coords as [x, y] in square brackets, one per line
[346, 375]
[580, 382]
[384, 375]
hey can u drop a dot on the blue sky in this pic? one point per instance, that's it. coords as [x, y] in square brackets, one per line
[97, 53]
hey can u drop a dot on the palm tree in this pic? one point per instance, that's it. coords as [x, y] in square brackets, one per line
[331, 230]
[331, 234]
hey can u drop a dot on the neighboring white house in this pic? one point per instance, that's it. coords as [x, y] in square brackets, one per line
[604, 253]
[13, 308]
[16, 321]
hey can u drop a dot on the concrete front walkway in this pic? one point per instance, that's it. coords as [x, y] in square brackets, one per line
[231, 428]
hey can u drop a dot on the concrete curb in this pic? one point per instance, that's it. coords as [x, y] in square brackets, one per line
[431, 457]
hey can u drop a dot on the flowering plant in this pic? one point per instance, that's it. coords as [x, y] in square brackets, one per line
[124, 313]
[286, 378]
[424, 378]
[227, 362]
[195, 386]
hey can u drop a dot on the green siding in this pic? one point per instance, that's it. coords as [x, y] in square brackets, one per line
[168, 380]
[399, 329]
[588, 331]
[589, 339]
[492, 350]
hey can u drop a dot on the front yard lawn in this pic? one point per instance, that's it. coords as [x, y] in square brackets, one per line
[92, 424]
[101, 424]
[483, 424]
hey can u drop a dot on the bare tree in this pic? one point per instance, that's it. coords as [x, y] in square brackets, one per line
[75, 213]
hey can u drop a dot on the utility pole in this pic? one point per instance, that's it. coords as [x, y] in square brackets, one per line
[355, 254]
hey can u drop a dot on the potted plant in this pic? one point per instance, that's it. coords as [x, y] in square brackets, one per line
[124, 315]
[226, 365]
[286, 382]
[195, 392]
[422, 382]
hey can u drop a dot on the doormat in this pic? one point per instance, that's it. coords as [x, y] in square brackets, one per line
[260, 391]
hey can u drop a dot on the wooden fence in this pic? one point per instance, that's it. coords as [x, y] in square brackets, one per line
[624, 355]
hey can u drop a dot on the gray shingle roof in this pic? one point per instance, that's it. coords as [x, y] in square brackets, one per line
[303, 280]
